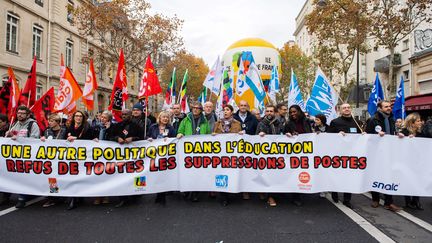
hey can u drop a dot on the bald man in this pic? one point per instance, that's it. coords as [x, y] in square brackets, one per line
[248, 121]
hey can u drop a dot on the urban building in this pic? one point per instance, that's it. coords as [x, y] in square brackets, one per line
[44, 28]
[413, 61]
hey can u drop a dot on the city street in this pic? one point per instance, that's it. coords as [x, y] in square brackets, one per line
[318, 220]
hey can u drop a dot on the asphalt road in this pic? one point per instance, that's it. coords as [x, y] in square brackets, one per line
[318, 220]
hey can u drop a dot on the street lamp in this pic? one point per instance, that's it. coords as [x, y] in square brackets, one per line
[323, 4]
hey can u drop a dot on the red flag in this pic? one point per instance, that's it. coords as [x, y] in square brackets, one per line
[150, 82]
[9, 95]
[42, 109]
[5, 96]
[119, 93]
[89, 87]
[28, 93]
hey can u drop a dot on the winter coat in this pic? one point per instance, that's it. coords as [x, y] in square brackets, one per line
[235, 127]
[61, 134]
[290, 127]
[269, 126]
[249, 125]
[186, 126]
[376, 124]
[21, 129]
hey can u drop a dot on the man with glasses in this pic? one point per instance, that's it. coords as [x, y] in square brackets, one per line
[25, 127]
[195, 123]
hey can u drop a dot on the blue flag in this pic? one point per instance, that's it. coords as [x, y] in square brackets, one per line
[294, 96]
[376, 96]
[323, 98]
[399, 105]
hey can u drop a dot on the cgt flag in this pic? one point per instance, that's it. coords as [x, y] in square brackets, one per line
[9, 95]
[150, 82]
[89, 87]
[119, 93]
[42, 109]
[28, 93]
[399, 105]
[376, 96]
[69, 92]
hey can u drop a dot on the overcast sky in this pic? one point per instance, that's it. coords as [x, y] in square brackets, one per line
[211, 26]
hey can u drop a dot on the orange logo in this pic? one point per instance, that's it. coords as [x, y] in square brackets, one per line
[304, 177]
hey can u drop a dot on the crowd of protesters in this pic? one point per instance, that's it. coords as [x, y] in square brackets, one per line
[139, 124]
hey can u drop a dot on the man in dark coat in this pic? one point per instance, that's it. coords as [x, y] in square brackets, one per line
[248, 121]
[344, 124]
[382, 123]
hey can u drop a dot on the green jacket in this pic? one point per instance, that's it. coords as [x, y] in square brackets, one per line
[185, 127]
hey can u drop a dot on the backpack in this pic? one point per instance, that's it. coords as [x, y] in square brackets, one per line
[29, 128]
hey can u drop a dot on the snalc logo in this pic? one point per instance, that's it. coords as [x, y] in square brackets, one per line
[383, 186]
[221, 181]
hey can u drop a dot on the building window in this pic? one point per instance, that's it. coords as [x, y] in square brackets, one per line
[38, 91]
[37, 41]
[12, 33]
[405, 44]
[375, 48]
[69, 49]
[39, 2]
[406, 75]
[70, 8]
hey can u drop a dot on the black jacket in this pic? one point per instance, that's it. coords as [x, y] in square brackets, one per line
[177, 120]
[60, 134]
[249, 125]
[128, 129]
[378, 120]
[291, 126]
[269, 126]
[108, 135]
[344, 124]
[83, 132]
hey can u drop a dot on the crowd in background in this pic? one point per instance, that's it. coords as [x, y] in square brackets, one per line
[139, 124]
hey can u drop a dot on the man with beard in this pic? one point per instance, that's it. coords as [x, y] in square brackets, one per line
[382, 123]
[269, 125]
[282, 111]
[344, 124]
[248, 121]
[25, 127]
[177, 116]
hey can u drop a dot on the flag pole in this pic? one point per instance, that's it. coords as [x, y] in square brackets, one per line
[28, 101]
[145, 115]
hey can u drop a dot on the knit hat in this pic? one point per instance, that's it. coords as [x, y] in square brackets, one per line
[138, 106]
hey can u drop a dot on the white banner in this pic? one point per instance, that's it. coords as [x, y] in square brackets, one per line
[307, 163]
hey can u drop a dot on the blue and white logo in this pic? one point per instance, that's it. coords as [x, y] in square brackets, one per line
[221, 181]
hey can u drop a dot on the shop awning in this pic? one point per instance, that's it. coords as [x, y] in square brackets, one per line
[419, 102]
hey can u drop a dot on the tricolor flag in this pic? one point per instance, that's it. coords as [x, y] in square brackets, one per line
[183, 97]
[170, 94]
